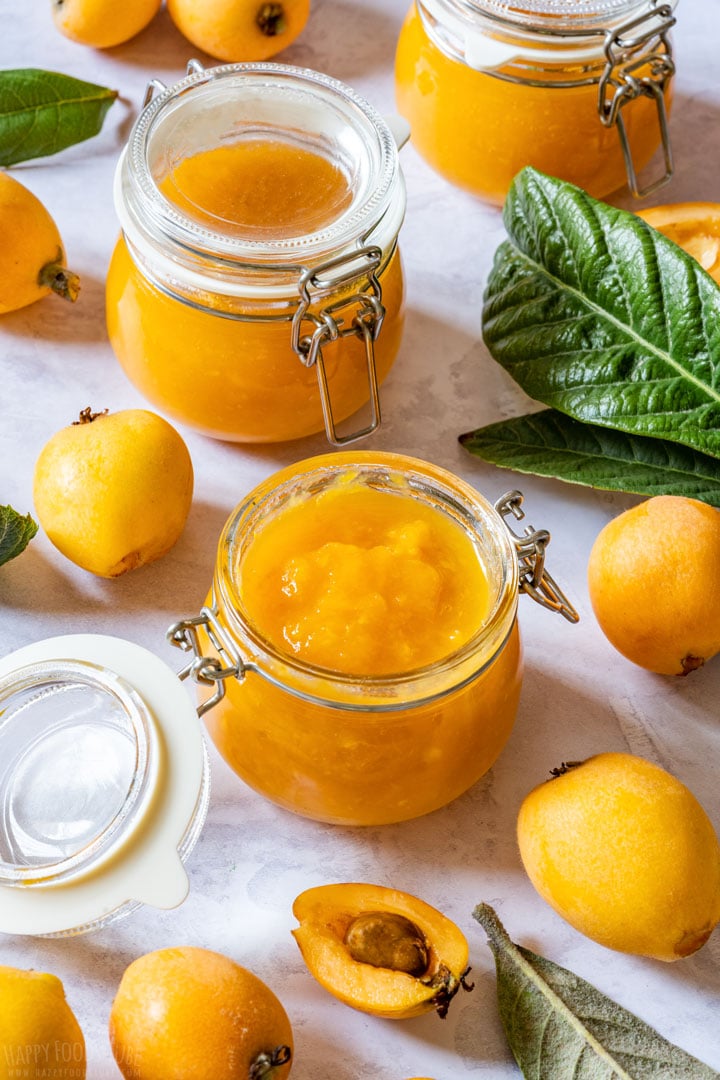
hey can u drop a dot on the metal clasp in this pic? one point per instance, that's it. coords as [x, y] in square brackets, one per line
[321, 281]
[625, 53]
[530, 548]
[194, 67]
[206, 670]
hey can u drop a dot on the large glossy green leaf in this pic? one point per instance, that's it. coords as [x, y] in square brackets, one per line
[559, 1027]
[601, 317]
[547, 443]
[42, 112]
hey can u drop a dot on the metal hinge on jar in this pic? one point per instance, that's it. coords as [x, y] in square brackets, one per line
[530, 548]
[194, 67]
[202, 669]
[321, 281]
[639, 43]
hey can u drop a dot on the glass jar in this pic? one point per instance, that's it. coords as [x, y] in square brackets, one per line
[104, 779]
[103, 784]
[364, 748]
[576, 88]
[270, 319]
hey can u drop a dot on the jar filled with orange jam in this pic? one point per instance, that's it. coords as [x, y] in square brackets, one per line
[361, 636]
[256, 292]
[576, 88]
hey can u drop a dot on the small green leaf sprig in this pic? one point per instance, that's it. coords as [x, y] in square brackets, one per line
[16, 532]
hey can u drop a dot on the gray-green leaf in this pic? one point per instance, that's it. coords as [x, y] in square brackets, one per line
[42, 112]
[16, 532]
[602, 317]
[549, 444]
[559, 1027]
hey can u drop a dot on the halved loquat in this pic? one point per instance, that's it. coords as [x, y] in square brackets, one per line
[695, 227]
[379, 950]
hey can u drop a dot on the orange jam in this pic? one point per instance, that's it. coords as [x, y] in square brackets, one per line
[378, 628]
[363, 581]
[224, 364]
[258, 186]
[479, 129]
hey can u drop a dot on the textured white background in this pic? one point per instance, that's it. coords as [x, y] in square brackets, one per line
[580, 697]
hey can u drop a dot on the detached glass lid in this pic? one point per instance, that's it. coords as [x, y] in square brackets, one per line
[103, 783]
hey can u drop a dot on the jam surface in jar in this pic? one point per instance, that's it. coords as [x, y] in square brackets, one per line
[364, 582]
[258, 186]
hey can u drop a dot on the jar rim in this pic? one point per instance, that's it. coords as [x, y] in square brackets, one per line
[161, 215]
[358, 690]
[563, 17]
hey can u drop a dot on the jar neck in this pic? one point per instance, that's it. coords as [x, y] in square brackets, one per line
[401, 476]
[260, 104]
[491, 34]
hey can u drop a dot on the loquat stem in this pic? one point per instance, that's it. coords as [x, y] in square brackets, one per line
[271, 19]
[55, 276]
[264, 1065]
[87, 415]
[565, 767]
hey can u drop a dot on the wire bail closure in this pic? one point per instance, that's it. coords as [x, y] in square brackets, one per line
[531, 547]
[626, 52]
[206, 670]
[193, 67]
[316, 283]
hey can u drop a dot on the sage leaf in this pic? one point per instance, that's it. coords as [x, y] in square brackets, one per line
[16, 532]
[559, 1027]
[547, 443]
[43, 112]
[598, 315]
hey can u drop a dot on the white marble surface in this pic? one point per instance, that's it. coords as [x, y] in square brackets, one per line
[580, 697]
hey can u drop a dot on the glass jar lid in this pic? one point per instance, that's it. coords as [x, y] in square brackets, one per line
[103, 780]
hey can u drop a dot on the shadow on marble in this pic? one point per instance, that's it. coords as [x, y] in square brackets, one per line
[158, 49]
[362, 40]
[476, 1035]
[700, 969]
[35, 581]
[53, 319]
[696, 155]
[169, 588]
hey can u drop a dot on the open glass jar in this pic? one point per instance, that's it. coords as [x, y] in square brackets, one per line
[576, 88]
[373, 744]
[103, 770]
[256, 292]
